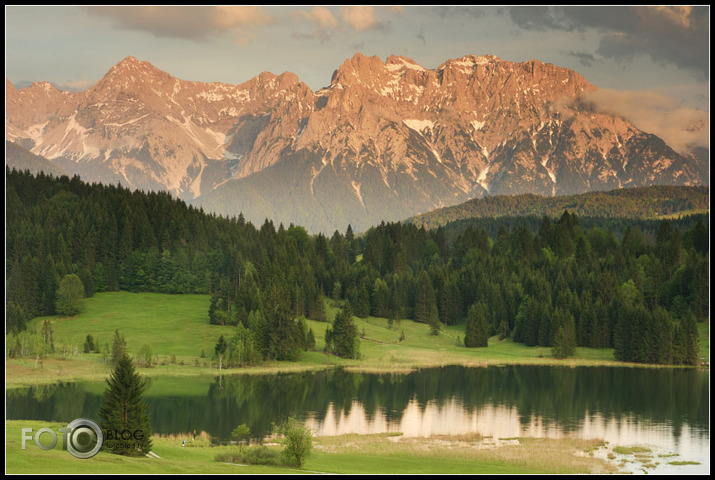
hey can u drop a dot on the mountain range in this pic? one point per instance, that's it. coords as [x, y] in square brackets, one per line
[384, 141]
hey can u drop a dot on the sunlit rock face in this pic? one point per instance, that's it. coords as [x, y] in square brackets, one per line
[384, 141]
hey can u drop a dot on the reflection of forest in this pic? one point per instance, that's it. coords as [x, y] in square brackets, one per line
[557, 396]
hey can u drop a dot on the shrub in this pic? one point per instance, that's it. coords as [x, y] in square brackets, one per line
[256, 455]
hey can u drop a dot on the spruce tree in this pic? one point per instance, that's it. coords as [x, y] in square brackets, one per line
[477, 332]
[560, 348]
[119, 347]
[425, 298]
[434, 324]
[344, 334]
[123, 409]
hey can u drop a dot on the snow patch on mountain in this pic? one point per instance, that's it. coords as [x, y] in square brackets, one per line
[481, 179]
[419, 125]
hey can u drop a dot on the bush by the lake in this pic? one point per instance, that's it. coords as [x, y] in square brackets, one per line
[256, 455]
[298, 442]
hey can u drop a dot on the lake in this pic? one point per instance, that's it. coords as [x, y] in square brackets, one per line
[665, 409]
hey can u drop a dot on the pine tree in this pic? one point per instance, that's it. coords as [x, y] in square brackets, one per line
[560, 348]
[123, 409]
[221, 346]
[425, 298]
[434, 324]
[564, 344]
[344, 335]
[690, 345]
[477, 332]
[119, 347]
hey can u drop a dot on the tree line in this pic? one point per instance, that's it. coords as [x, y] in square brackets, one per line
[560, 286]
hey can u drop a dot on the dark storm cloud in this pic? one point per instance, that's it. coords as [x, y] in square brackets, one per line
[668, 34]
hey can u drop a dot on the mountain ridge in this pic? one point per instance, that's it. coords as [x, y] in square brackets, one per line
[384, 141]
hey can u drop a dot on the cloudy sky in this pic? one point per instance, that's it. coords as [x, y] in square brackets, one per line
[646, 59]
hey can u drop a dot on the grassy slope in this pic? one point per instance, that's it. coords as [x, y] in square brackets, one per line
[178, 325]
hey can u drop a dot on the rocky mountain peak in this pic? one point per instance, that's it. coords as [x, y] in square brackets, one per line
[384, 141]
[131, 72]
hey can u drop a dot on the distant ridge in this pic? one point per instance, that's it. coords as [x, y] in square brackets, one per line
[22, 159]
[639, 202]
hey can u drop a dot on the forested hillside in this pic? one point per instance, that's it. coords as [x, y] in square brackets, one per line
[560, 286]
[641, 203]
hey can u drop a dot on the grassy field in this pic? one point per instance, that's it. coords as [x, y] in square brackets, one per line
[385, 454]
[177, 330]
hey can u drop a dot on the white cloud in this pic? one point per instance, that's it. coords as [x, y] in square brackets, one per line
[681, 127]
[359, 17]
[320, 15]
[189, 22]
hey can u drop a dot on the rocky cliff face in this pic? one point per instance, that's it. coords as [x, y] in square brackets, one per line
[384, 141]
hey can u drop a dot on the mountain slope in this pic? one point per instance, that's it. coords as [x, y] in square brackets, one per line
[384, 141]
[22, 159]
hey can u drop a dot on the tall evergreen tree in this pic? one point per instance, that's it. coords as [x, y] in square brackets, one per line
[123, 408]
[434, 324]
[119, 347]
[344, 334]
[477, 332]
[425, 298]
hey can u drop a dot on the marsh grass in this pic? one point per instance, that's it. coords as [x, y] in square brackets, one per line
[522, 455]
[631, 450]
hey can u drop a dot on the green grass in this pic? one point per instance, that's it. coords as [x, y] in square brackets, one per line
[170, 324]
[57, 461]
[365, 454]
[177, 329]
[381, 349]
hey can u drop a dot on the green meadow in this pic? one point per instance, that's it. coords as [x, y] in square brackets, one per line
[176, 328]
[182, 342]
[364, 454]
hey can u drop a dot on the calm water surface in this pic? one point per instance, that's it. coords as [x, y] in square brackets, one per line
[664, 409]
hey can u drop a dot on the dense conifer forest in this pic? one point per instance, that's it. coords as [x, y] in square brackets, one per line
[557, 282]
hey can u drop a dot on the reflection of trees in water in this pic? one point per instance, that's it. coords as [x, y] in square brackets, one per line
[60, 402]
[561, 397]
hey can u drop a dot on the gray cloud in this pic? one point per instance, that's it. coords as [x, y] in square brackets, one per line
[321, 35]
[196, 23]
[585, 59]
[420, 35]
[676, 35]
[461, 11]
